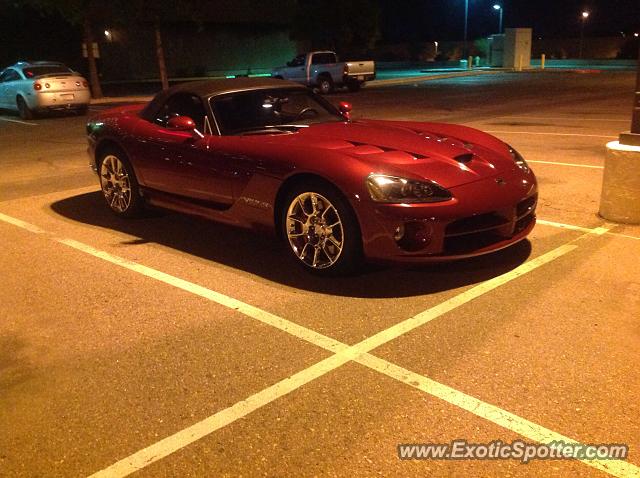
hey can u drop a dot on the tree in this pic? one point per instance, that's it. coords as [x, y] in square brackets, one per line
[157, 14]
[84, 13]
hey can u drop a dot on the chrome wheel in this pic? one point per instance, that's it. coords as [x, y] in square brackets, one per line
[115, 183]
[315, 231]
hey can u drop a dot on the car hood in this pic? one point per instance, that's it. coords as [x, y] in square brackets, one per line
[451, 155]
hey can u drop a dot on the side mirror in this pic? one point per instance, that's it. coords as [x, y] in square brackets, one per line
[181, 123]
[345, 109]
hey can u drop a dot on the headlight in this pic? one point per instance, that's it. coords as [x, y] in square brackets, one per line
[519, 160]
[392, 189]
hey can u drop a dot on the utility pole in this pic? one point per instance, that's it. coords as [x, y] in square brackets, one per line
[632, 138]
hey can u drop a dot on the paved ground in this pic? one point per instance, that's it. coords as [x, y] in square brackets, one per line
[185, 348]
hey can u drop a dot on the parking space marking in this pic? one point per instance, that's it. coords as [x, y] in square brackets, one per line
[183, 438]
[598, 230]
[255, 313]
[572, 118]
[563, 225]
[553, 134]
[492, 413]
[10, 120]
[342, 354]
[566, 164]
[22, 224]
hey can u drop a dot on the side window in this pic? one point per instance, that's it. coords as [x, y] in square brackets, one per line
[182, 104]
[323, 58]
[298, 60]
[9, 75]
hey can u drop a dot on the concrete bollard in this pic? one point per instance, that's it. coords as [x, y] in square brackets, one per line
[542, 60]
[620, 199]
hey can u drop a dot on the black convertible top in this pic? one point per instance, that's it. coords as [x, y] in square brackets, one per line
[208, 88]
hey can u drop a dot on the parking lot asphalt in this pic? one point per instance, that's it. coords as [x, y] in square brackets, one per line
[171, 346]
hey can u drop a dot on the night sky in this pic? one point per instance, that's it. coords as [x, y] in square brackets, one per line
[406, 20]
[400, 21]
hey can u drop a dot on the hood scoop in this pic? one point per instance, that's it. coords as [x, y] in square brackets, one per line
[464, 158]
[366, 148]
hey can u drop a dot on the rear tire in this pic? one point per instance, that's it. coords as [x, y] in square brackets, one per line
[320, 229]
[354, 86]
[119, 184]
[25, 112]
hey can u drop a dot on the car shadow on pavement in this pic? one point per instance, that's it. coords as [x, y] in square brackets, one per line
[265, 256]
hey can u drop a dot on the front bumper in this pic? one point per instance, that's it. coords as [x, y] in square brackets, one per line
[483, 217]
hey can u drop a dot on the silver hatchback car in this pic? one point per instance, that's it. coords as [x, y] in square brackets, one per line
[37, 86]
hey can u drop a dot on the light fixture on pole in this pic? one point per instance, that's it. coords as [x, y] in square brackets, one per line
[583, 19]
[500, 9]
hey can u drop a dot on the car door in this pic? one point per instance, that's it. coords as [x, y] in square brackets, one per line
[324, 62]
[181, 162]
[5, 83]
[297, 70]
[3, 74]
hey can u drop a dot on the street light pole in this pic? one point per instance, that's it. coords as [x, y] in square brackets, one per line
[583, 18]
[466, 20]
[500, 10]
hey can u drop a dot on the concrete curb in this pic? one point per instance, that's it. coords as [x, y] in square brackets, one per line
[120, 99]
[418, 79]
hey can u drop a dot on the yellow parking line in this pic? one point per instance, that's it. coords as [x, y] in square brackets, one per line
[342, 355]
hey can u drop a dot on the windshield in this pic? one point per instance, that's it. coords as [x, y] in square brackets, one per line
[35, 71]
[271, 109]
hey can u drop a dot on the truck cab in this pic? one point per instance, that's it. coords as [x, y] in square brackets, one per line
[323, 70]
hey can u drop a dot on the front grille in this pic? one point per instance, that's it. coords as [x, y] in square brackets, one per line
[470, 242]
[474, 224]
[522, 223]
[526, 206]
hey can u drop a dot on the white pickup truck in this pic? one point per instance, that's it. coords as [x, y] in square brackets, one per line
[324, 71]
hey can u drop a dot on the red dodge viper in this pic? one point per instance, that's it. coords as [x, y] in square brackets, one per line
[271, 155]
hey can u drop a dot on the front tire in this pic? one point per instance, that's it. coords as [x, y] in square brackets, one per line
[321, 229]
[325, 85]
[119, 184]
[24, 111]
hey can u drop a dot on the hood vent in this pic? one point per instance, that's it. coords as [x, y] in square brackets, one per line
[464, 158]
[365, 148]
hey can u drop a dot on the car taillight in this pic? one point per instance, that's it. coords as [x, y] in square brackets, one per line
[85, 84]
[37, 86]
[77, 83]
[47, 85]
